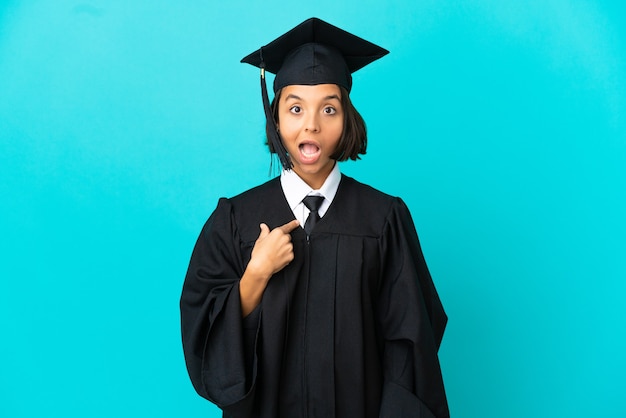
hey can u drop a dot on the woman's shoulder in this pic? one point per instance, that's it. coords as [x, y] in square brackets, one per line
[246, 199]
[364, 193]
[260, 192]
[364, 209]
[261, 204]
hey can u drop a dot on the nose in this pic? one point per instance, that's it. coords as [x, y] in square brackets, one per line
[312, 123]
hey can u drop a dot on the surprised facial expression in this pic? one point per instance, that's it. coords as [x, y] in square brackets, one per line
[310, 122]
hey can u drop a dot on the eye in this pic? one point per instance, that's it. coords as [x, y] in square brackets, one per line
[330, 110]
[295, 109]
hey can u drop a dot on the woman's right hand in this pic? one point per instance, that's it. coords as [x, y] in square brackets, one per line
[272, 251]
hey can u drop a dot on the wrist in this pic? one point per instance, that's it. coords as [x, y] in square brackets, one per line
[251, 288]
[256, 273]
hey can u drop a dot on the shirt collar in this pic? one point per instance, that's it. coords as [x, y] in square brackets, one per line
[295, 189]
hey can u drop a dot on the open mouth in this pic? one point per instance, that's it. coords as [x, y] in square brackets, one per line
[309, 152]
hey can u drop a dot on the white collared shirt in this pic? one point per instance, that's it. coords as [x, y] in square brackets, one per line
[295, 189]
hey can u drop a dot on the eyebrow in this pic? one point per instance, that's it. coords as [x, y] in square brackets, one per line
[294, 97]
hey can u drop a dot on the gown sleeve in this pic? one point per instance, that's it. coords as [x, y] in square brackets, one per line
[217, 342]
[412, 322]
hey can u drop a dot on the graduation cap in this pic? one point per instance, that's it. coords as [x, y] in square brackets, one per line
[314, 52]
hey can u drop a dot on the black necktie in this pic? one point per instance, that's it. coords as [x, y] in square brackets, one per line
[313, 203]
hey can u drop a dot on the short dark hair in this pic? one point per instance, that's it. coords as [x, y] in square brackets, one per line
[353, 141]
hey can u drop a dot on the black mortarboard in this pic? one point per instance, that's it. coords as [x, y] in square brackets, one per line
[314, 52]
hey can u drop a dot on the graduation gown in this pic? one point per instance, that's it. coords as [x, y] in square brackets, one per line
[350, 328]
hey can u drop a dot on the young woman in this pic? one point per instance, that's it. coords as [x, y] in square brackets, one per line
[308, 296]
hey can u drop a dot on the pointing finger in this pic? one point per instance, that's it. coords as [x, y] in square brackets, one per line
[289, 226]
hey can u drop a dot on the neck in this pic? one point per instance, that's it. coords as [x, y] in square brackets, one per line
[315, 180]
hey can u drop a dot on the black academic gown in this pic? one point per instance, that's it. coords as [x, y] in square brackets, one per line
[350, 328]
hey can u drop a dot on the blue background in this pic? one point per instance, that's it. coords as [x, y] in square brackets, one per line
[501, 123]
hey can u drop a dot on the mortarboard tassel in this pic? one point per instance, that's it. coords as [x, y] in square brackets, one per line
[273, 137]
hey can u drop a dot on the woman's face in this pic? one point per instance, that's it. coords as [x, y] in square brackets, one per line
[310, 122]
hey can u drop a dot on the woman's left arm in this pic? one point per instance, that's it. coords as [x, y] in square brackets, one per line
[412, 321]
